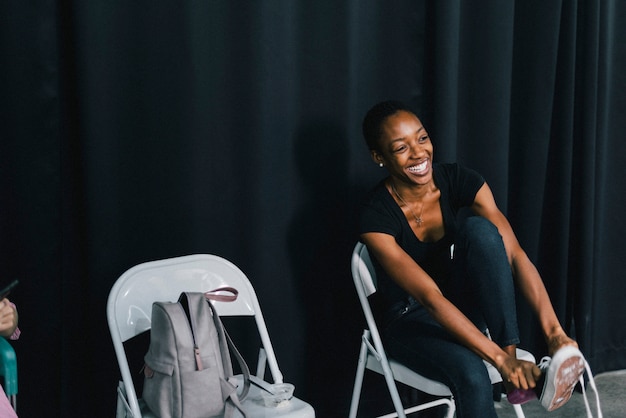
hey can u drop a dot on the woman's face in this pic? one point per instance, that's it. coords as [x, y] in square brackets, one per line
[405, 148]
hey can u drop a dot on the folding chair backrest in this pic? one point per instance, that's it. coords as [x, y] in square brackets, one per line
[130, 300]
[364, 277]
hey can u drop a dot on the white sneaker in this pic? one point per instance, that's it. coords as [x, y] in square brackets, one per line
[561, 373]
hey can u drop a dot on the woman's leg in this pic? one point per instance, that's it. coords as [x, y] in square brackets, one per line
[483, 287]
[421, 344]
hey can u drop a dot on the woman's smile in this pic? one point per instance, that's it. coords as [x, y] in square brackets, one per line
[420, 169]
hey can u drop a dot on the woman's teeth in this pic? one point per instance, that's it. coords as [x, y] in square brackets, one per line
[419, 168]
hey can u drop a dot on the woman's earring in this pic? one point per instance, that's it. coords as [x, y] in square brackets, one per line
[381, 165]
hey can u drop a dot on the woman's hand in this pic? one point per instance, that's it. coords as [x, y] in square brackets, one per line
[519, 373]
[8, 318]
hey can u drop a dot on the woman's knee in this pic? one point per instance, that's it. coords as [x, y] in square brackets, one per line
[478, 230]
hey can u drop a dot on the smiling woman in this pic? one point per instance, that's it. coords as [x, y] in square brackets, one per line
[407, 153]
[445, 280]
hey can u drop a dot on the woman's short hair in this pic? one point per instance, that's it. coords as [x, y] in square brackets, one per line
[374, 118]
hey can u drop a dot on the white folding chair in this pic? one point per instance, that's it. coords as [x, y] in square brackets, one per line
[372, 354]
[129, 308]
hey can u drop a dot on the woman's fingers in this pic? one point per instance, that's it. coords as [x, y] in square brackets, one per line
[523, 374]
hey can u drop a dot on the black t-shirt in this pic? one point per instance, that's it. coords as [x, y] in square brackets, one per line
[381, 213]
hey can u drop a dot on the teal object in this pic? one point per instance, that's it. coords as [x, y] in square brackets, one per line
[8, 368]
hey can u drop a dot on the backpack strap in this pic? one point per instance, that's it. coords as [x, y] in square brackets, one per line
[217, 295]
[245, 371]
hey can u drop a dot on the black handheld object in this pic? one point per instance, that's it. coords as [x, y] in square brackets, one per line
[5, 292]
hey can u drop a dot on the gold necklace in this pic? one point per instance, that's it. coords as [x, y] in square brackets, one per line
[418, 219]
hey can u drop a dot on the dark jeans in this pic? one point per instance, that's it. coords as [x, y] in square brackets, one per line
[483, 289]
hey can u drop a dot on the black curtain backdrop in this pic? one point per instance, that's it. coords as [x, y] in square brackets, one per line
[134, 131]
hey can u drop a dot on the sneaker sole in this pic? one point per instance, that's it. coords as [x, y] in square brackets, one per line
[561, 379]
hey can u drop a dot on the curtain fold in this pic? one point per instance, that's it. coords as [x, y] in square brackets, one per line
[599, 211]
[132, 132]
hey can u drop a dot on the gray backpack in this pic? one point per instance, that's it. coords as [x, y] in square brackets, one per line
[188, 366]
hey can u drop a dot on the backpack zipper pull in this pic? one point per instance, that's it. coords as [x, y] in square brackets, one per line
[196, 352]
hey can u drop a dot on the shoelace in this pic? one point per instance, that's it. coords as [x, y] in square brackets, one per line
[544, 363]
[592, 383]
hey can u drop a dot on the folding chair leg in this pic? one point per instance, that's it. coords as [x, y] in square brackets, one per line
[451, 409]
[261, 363]
[443, 401]
[358, 380]
[393, 391]
[391, 386]
[518, 411]
[122, 409]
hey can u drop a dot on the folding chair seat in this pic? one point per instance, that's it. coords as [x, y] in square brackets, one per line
[372, 354]
[129, 309]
